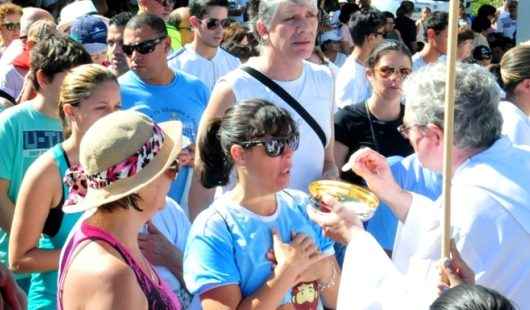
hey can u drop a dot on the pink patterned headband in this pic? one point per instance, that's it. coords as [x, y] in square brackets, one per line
[77, 180]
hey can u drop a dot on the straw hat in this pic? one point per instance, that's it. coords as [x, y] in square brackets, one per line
[123, 152]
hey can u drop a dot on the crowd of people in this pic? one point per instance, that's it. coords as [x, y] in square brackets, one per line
[156, 154]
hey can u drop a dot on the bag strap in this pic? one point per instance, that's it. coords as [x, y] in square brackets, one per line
[293, 103]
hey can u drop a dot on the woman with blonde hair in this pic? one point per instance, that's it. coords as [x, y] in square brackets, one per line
[87, 93]
[127, 164]
[10, 15]
[515, 74]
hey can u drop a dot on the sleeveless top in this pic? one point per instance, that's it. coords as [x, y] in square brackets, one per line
[43, 289]
[159, 296]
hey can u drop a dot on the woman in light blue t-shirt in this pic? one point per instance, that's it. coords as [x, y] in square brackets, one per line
[256, 245]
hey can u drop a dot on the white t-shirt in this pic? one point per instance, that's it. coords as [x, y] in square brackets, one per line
[352, 85]
[516, 124]
[11, 81]
[206, 70]
[507, 26]
[314, 91]
[340, 59]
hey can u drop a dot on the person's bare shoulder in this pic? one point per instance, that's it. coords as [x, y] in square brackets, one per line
[99, 278]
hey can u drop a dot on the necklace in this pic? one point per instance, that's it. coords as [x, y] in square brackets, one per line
[372, 131]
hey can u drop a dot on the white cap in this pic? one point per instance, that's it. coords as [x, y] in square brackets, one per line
[332, 35]
[74, 10]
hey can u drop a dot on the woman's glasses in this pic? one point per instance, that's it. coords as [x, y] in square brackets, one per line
[387, 71]
[143, 48]
[214, 23]
[11, 26]
[274, 146]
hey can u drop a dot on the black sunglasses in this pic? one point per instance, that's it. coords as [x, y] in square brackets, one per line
[274, 146]
[143, 48]
[213, 23]
[11, 26]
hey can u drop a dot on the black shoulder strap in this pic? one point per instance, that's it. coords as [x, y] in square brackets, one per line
[7, 96]
[289, 100]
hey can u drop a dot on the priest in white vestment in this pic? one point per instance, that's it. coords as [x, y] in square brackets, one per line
[490, 201]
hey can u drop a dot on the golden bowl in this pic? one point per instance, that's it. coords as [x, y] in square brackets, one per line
[362, 201]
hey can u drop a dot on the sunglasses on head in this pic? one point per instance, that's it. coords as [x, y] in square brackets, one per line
[214, 23]
[12, 26]
[143, 48]
[388, 71]
[274, 146]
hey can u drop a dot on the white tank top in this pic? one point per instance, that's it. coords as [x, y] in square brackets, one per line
[314, 91]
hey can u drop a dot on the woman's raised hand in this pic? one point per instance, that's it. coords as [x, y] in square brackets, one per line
[297, 256]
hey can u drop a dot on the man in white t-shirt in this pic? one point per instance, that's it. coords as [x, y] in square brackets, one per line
[202, 57]
[436, 41]
[352, 86]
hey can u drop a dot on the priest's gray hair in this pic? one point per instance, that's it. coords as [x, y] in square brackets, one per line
[477, 121]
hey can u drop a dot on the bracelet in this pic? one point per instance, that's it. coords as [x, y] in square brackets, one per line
[331, 281]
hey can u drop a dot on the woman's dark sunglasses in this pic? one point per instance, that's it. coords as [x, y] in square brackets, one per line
[11, 26]
[143, 48]
[213, 23]
[388, 71]
[274, 146]
[166, 3]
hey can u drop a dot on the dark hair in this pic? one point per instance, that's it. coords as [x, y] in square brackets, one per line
[405, 8]
[120, 19]
[465, 35]
[152, 21]
[486, 10]
[346, 11]
[199, 8]
[387, 14]
[471, 297]
[364, 23]
[245, 121]
[55, 54]
[384, 48]
[131, 201]
[480, 24]
[438, 22]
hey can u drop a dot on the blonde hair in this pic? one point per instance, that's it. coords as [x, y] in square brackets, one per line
[41, 30]
[79, 84]
[515, 67]
[8, 9]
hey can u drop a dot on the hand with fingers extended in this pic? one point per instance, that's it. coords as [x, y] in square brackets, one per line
[11, 296]
[374, 169]
[454, 271]
[339, 223]
[296, 257]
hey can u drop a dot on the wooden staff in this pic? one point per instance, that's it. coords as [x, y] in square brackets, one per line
[448, 123]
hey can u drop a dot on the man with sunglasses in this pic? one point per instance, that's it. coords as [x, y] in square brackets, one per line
[153, 88]
[352, 86]
[202, 57]
[436, 41]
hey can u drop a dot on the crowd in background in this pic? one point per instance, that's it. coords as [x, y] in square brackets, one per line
[165, 203]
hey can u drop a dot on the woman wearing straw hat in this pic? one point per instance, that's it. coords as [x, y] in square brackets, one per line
[87, 93]
[129, 163]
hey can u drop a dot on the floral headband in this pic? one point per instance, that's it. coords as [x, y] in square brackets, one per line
[78, 181]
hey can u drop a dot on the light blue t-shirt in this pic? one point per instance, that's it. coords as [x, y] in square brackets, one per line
[184, 99]
[228, 243]
[411, 176]
[25, 134]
